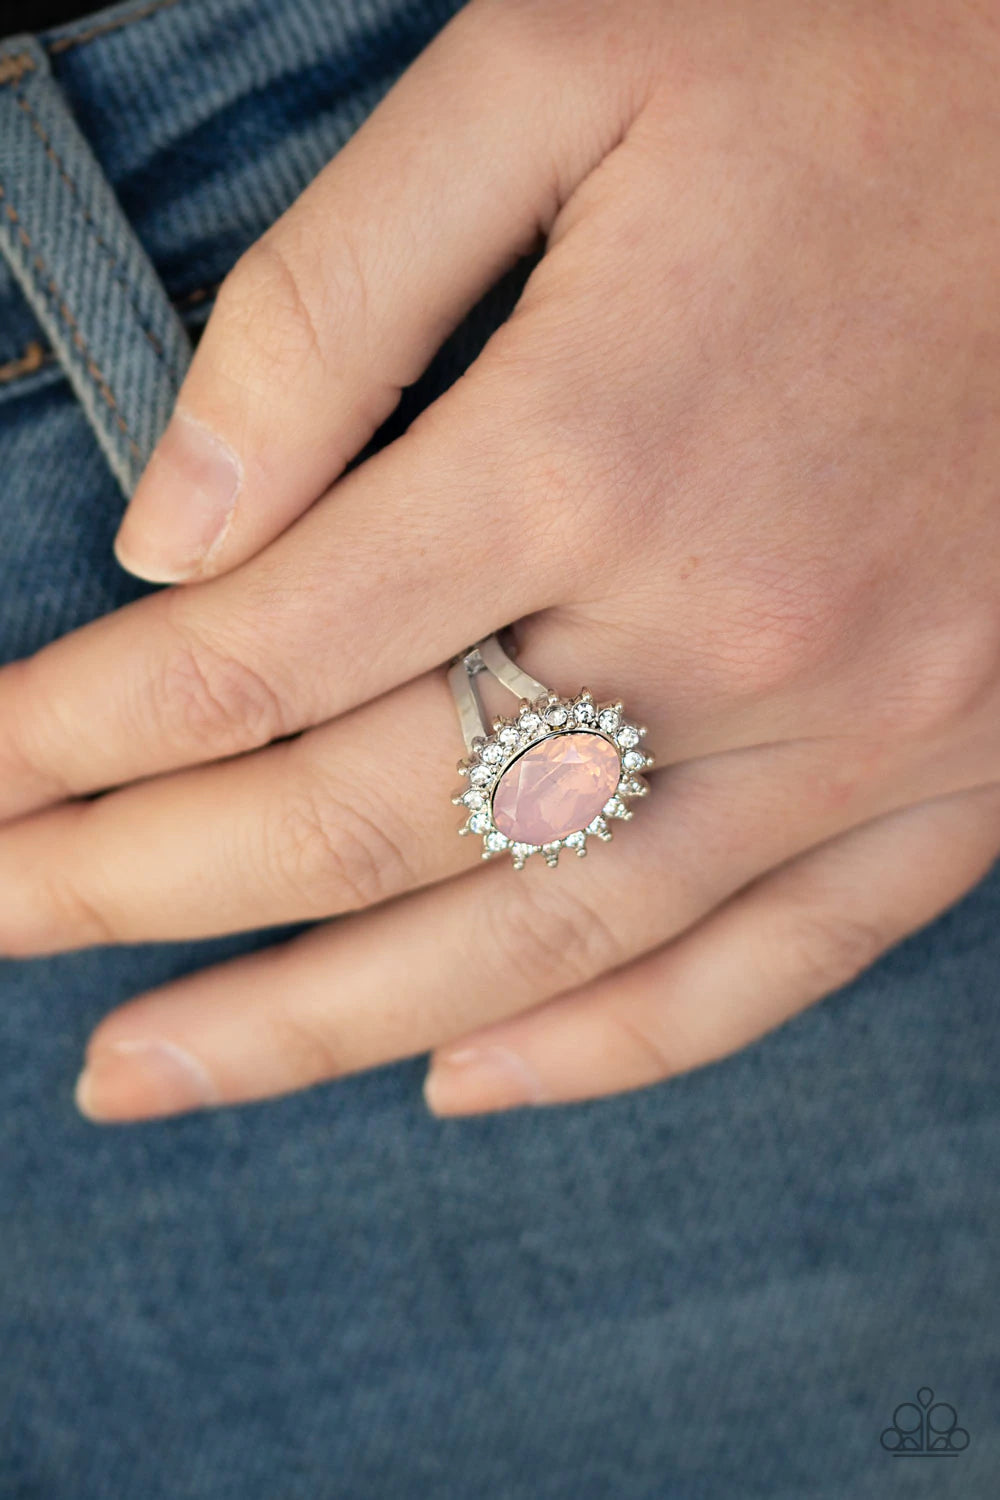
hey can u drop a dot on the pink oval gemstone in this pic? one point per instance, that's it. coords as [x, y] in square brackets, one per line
[556, 787]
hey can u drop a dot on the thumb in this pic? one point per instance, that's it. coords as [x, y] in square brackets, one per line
[345, 300]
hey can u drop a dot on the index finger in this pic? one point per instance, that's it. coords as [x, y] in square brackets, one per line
[430, 544]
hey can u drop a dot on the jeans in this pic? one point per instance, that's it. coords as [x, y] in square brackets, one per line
[716, 1289]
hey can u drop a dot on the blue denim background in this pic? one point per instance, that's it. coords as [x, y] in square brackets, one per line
[713, 1289]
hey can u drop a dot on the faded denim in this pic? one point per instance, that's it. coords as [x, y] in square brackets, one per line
[717, 1289]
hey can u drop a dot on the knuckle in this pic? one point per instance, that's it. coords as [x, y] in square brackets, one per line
[826, 949]
[308, 1047]
[264, 306]
[56, 916]
[203, 696]
[333, 854]
[604, 503]
[554, 940]
[591, 471]
[647, 1041]
[771, 643]
[29, 752]
[76, 914]
[594, 514]
[581, 483]
[944, 680]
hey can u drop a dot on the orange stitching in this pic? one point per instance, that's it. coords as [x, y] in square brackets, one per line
[33, 358]
[14, 67]
[63, 43]
[92, 368]
[51, 153]
[36, 356]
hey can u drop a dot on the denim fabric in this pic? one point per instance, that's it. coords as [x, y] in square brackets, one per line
[82, 268]
[717, 1289]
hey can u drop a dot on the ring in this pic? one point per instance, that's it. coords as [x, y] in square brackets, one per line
[552, 776]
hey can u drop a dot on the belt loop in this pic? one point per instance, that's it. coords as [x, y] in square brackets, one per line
[89, 281]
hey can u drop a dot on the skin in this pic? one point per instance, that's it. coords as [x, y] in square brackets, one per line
[735, 458]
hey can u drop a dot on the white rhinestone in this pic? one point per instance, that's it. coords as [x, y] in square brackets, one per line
[585, 712]
[531, 723]
[479, 822]
[496, 840]
[509, 738]
[609, 720]
[521, 851]
[480, 776]
[576, 840]
[613, 808]
[628, 736]
[492, 752]
[634, 760]
[597, 826]
[473, 799]
[556, 715]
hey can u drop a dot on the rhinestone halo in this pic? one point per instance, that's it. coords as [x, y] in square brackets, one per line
[537, 721]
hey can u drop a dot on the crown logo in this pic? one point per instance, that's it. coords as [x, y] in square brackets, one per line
[925, 1429]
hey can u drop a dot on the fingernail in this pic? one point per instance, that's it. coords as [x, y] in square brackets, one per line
[470, 1080]
[139, 1080]
[182, 506]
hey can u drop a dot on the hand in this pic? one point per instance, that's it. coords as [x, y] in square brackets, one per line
[734, 456]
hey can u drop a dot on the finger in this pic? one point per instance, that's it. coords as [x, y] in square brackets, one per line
[384, 579]
[345, 299]
[431, 966]
[786, 941]
[335, 820]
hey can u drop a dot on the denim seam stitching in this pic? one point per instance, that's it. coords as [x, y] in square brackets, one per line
[116, 267]
[93, 369]
[81, 38]
[36, 355]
